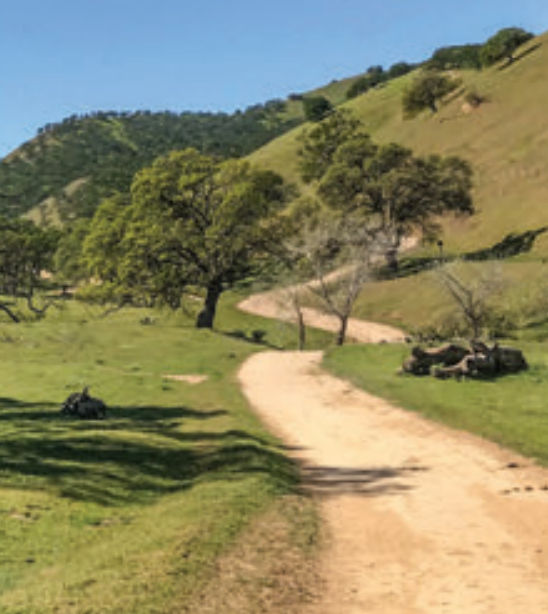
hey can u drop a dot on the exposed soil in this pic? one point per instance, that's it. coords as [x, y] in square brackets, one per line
[188, 378]
[421, 518]
[269, 305]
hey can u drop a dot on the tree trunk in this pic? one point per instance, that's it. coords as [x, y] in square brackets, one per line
[10, 313]
[302, 330]
[391, 258]
[433, 107]
[207, 315]
[341, 335]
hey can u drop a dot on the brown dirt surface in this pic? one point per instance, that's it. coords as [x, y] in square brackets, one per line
[188, 378]
[421, 519]
[269, 305]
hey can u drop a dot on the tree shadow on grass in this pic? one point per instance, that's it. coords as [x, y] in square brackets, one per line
[519, 56]
[135, 456]
[512, 244]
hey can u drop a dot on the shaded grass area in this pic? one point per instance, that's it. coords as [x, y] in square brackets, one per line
[511, 410]
[127, 514]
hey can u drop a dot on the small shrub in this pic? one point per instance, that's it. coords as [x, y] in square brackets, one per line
[258, 335]
[473, 98]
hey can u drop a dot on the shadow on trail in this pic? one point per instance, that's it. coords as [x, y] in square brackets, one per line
[134, 456]
[370, 482]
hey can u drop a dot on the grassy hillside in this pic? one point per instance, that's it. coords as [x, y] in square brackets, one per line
[505, 139]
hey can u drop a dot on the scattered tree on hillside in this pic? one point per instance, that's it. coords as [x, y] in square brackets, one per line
[192, 220]
[503, 44]
[25, 251]
[456, 56]
[399, 69]
[316, 108]
[425, 91]
[392, 190]
[376, 75]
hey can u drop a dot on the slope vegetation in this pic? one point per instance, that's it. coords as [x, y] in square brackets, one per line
[505, 139]
[69, 167]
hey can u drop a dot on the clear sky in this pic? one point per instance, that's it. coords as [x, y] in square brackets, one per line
[61, 57]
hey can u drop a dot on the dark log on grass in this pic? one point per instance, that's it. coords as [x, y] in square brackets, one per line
[478, 361]
[81, 405]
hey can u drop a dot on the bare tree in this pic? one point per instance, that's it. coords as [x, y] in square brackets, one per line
[472, 292]
[337, 254]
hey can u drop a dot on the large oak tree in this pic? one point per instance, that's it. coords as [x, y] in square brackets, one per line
[193, 220]
[395, 191]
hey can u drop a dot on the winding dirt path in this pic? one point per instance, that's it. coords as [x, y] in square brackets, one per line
[270, 305]
[421, 519]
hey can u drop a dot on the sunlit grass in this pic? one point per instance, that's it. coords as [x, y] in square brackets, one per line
[127, 514]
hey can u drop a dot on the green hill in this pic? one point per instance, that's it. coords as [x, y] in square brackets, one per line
[505, 139]
[69, 167]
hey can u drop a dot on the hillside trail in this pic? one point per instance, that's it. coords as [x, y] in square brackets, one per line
[420, 518]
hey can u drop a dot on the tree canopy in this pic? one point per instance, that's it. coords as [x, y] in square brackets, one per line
[316, 108]
[503, 44]
[395, 191]
[425, 91]
[25, 251]
[192, 220]
[456, 56]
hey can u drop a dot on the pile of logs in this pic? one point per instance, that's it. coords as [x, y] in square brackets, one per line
[81, 405]
[477, 361]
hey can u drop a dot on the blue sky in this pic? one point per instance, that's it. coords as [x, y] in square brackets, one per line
[61, 57]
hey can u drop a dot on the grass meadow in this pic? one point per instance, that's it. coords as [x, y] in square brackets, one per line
[130, 514]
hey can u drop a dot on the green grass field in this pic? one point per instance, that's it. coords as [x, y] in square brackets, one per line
[511, 411]
[129, 514]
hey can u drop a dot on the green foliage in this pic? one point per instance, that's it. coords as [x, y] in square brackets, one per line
[68, 263]
[387, 185]
[456, 56]
[425, 91]
[503, 44]
[25, 251]
[399, 69]
[316, 108]
[318, 145]
[85, 159]
[190, 220]
[375, 76]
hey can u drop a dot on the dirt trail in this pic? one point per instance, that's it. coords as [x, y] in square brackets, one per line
[422, 519]
[268, 304]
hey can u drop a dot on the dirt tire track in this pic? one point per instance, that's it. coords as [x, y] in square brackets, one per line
[422, 519]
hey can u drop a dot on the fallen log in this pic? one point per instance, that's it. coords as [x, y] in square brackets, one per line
[81, 405]
[478, 361]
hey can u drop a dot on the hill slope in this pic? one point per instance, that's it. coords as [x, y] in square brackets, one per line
[68, 167]
[505, 139]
